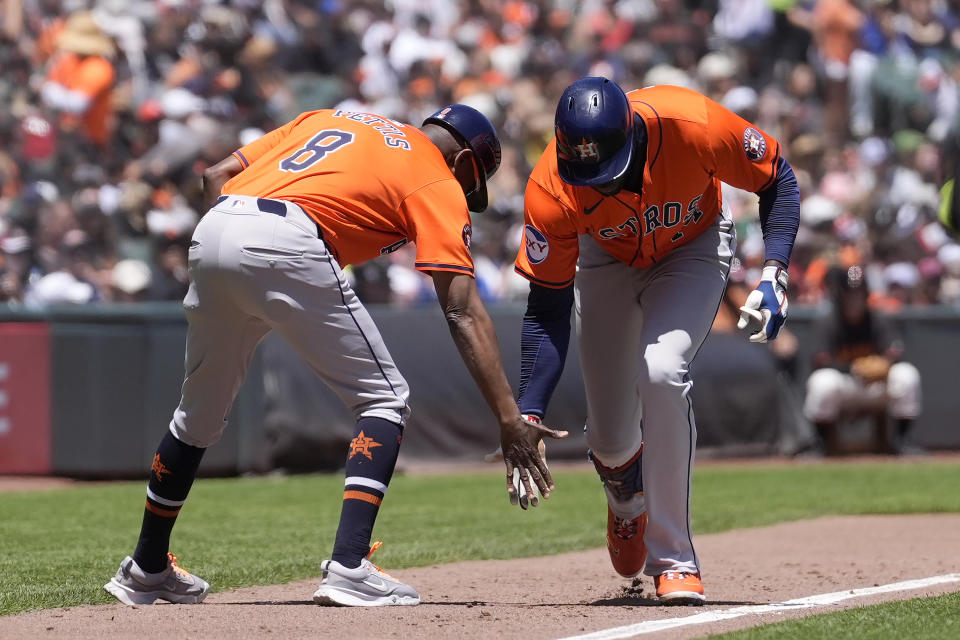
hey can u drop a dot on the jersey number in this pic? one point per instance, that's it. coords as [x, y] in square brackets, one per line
[325, 142]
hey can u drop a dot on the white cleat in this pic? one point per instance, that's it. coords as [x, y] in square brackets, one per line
[133, 586]
[366, 586]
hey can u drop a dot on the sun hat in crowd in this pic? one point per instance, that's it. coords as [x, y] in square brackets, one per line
[179, 103]
[740, 99]
[83, 36]
[817, 209]
[249, 134]
[667, 74]
[716, 65]
[131, 276]
[59, 287]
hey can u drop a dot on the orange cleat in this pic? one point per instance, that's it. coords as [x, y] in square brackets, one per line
[679, 587]
[628, 553]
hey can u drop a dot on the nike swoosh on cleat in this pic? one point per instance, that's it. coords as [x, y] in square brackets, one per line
[379, 585]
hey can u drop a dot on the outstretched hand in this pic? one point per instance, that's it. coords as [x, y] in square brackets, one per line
[497, 456]
[521, 447]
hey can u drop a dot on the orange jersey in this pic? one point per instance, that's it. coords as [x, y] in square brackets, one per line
[372, 184]
[93, 77]
[692, 145]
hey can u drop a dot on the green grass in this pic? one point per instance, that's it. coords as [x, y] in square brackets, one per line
[59, 547]
[730, 498]
[918, 619]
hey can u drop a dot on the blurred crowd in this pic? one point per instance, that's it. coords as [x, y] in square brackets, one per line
[110, 111]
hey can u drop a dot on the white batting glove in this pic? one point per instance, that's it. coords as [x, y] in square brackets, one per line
[497, 456]
[766, 306]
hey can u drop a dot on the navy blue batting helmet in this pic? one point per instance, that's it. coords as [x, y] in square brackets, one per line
[594, 127]
[472, 129]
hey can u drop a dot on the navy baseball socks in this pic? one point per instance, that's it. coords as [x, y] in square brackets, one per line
[349, 579]
[171, 476]
[152, 573]
[370, 462]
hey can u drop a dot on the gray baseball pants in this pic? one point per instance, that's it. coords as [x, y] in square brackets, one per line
[638, 330]
[253, 271]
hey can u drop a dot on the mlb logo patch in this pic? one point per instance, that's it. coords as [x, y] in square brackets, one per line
[536, 244]
[754, 144]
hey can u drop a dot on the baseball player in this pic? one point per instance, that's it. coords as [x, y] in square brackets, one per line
[858, 369]
[328, 189]
[623, 216]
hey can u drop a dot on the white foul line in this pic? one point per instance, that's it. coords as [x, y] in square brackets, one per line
[809, 602]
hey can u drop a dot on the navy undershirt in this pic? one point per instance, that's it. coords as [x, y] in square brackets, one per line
[543, 345]
[780, 214]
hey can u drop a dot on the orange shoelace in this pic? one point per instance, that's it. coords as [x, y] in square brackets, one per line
[376, 545]
[176, 567]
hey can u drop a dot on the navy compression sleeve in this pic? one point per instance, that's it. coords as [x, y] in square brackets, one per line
[780, 214]
[543, 346]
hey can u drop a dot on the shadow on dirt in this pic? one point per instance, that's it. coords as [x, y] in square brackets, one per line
[635, 601]
[267, 603]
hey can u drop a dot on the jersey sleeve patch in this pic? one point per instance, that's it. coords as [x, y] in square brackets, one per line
[754, 144]
[536, 244]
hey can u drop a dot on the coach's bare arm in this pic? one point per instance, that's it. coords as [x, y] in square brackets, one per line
[474, 335]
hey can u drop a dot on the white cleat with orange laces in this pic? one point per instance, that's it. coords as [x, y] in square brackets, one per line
[133, 586]
[366, 586]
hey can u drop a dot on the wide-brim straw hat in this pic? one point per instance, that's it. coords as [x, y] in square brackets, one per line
[83, 36]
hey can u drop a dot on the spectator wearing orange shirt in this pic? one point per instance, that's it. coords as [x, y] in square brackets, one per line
[81, 77]
[836, 31]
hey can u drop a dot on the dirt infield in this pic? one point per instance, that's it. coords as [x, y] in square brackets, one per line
[557, 596]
